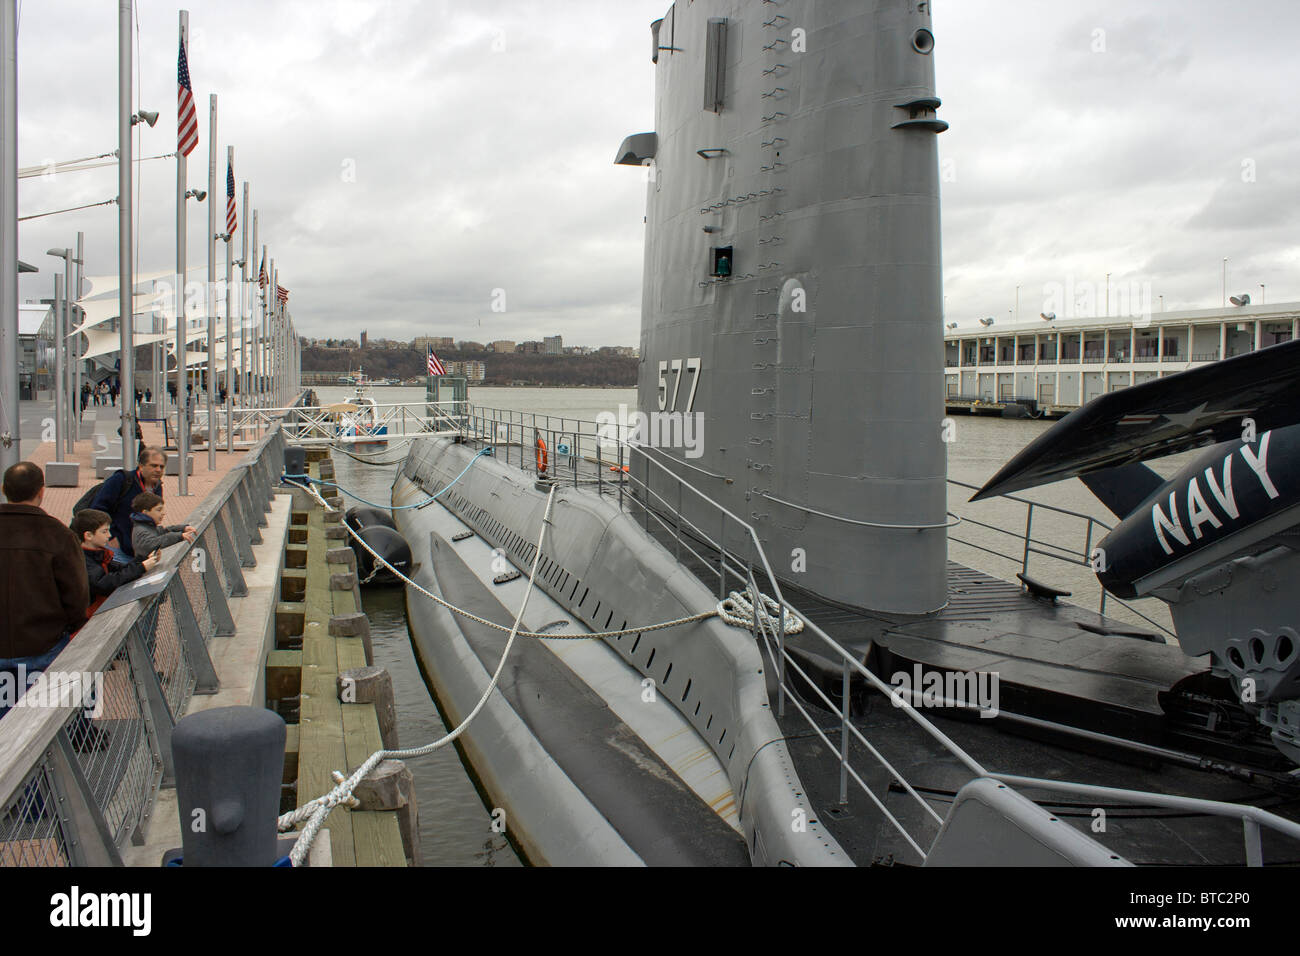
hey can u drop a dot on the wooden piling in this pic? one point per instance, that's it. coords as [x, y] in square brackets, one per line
[320, 601]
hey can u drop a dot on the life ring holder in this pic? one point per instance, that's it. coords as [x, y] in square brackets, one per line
[543, 461]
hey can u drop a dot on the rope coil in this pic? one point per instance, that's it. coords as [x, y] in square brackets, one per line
[737, 610]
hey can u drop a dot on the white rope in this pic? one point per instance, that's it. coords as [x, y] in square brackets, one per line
[315, 811]
[738, 610]
[735, 609]
[591, 635]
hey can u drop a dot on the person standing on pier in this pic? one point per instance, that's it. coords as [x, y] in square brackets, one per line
[116, 494]
[44, 590]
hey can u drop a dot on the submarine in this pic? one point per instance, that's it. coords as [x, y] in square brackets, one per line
[717, 602]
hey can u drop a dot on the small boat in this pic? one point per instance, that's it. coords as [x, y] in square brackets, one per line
[358, 418]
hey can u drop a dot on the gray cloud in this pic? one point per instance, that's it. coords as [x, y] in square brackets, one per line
[479, 168]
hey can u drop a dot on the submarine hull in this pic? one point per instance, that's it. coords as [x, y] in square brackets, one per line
[566, 802]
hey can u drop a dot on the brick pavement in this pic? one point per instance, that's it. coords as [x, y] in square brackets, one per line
[59, 501]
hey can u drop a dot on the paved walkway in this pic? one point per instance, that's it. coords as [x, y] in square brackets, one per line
[106, 419]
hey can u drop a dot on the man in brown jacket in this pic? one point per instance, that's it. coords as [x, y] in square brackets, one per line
[43, 588]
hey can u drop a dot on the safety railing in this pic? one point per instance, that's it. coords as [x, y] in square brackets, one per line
[84, 752]
[1003, 539]
[346, 423]
[648, 487]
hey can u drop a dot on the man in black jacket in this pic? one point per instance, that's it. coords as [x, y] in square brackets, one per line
[117, 493]
[43, 586]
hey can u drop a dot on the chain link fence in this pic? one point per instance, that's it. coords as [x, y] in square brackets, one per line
[83, 753]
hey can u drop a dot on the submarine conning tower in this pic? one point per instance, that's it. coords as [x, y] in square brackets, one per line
[793, 285]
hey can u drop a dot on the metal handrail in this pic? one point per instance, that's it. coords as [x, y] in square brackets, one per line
[71, 793]
[1060, 553]
[773, 638]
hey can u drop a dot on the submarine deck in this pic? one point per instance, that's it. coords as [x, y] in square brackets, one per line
[1081, 697]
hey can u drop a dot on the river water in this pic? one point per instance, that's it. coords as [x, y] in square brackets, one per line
[455, 827]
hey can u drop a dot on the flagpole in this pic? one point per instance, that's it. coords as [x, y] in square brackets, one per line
[254, 323]
[243, 305]
[265, 338]
[182, 396]
[230, 365]
[277, 366]
[271, 397]
[210, 298]
[261, 331]
[10, 350]
[126, 277]
[274, 329]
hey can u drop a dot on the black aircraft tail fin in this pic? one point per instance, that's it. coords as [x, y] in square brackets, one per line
[1202, 406]
[1122, 489]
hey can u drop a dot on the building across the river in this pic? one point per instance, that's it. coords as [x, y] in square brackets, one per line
[1054, 366]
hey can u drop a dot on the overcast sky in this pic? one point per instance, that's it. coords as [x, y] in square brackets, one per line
[408, 158]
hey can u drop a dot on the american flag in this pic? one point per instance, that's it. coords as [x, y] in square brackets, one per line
[435, 367]
[187, 120]
[231, 219]
[281, 293]
[261, 273]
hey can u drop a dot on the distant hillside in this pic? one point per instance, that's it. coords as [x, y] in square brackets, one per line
[610, 371]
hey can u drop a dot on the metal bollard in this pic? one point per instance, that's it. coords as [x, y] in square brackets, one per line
[229, 764]
[295, 460]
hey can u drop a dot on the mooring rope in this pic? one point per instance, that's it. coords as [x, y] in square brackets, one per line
[735, 609]
[315, 811]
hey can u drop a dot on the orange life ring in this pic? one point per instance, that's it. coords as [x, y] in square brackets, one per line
[542, 460]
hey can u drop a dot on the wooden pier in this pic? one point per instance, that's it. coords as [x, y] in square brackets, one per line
[320, 677]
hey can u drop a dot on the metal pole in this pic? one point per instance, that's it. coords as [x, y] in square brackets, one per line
[71, 408]
[210, 299]
[261, 331]
[10, 453]
[59, 420]
[125, 265]
[272, 369]
[73, 295]
[182, 396]
[273, 301]
[243, 304]
[230, 363]
[230, 338]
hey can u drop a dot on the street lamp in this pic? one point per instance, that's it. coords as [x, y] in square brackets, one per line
[1225, 282]
[65, 417]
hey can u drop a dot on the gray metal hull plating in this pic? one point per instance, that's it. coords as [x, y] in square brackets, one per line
[607, 572]
[817, 362]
